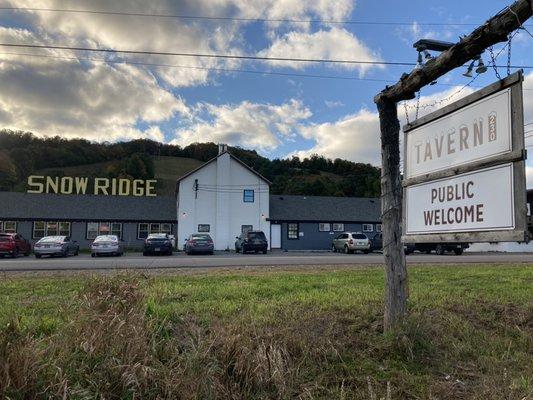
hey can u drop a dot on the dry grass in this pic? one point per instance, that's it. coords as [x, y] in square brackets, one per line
[111, 346]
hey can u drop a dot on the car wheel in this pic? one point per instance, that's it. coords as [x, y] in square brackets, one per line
[211, 253]
[93, 255]
[264, 251]
[15, 253]
[458, 252]
[366, 251]
[428, 251]
[333, 248]
[145, 253]
[77, 252]
[38, 256]
[439, 249]
[1, 256]
[346, 250]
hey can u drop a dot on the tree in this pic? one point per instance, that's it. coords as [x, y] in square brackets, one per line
[8, 172]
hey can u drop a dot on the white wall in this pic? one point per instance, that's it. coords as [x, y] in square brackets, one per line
[506, 247]
[221, 205]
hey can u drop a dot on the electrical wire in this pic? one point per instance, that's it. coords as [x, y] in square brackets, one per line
[241, 19]
[204, 55]
[229, 56]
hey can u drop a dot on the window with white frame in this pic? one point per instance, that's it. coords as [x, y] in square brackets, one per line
[293, 231]
[248, 196]
[8, 227]
[144, 229]
[338, 227]
[50, 228]
[378, 227]
[95, 229]
[368, 228]
[324, 227]
[204, 228]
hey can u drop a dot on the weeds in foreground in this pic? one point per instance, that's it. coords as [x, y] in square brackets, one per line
[112, 349]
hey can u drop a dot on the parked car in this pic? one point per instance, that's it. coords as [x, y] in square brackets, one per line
[157, 243]
[56, 246]
[199, 243]
[439, 248]
[255, 241]
[13, 244]
[376, 243]
[349, 242]
[107, 245]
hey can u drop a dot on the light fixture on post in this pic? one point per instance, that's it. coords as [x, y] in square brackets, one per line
[419, 61]
[481, 67]
[468, 72]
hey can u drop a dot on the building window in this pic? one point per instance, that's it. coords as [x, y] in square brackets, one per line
[8, 227]
[248, 196]
[378, 227]
[368, 228]
[144, 229]
[95, 229]
[293, 231]
[50, 228]
[338, 227]
[204, 228]
[324, 227]
[246, 228]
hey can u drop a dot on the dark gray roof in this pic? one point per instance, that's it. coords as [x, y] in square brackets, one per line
[324, 209]
[29, 206]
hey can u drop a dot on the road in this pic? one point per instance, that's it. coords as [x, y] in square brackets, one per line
[84, 262]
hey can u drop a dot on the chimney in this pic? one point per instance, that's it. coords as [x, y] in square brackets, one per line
[222, 148]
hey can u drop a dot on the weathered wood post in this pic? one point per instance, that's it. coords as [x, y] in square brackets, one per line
[493, 31]
[396, 291]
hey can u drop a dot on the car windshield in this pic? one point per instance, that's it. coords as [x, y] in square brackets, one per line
[52, 239]
[106, 238]
[201, 237]
[158, 236]
[256, 235]
[359, 236]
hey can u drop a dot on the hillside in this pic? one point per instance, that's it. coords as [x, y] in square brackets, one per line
[166, 170]
[23, 154]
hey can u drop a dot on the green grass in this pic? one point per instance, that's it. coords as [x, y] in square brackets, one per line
[318, 333]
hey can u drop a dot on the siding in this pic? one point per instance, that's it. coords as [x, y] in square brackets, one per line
[313, 239]
[78, 232]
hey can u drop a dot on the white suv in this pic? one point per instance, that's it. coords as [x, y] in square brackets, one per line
[349, 242]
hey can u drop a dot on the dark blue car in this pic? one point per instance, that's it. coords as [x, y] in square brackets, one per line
[157, 243]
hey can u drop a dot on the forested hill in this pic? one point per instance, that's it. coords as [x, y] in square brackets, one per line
[23, 154]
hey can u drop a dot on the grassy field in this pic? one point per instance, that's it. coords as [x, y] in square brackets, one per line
[307, 334]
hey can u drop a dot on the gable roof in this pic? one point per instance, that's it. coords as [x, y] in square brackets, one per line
[30, 206]
[324, 209]
[214, 159]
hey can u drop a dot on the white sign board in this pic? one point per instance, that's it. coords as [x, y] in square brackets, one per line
[481, 200]
[473, 133]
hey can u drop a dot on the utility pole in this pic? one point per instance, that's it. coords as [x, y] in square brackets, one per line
[495, 30]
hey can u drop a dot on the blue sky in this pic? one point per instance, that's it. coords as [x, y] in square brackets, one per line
[277, 115]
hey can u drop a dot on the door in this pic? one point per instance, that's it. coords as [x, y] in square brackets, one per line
[275, 236]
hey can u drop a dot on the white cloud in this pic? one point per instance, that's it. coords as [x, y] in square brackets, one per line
[319, 45]
[333, 104]
[261, 126]
[356, 137]
[93, 100]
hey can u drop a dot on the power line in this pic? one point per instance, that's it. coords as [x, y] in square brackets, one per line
[230, 56]
[291, 74]
[241, 19]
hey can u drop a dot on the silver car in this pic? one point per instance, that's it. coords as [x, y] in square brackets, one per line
[107, 245]
[56, 246]
[349, 242]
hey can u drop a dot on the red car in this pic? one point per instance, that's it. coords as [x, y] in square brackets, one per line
[13, 244]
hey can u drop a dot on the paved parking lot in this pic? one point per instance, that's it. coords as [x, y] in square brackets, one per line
[223, 259]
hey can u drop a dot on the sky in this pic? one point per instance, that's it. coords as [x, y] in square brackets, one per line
[190, 99]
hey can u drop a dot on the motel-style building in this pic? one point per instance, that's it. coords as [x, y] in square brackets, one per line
[223, 197]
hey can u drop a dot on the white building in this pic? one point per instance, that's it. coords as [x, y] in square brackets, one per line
[222, 197]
